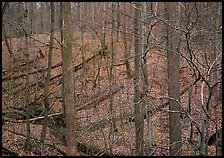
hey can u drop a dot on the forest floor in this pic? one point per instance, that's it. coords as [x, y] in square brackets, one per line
[92, 91]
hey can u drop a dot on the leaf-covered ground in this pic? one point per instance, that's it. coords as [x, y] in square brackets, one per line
[92, 88]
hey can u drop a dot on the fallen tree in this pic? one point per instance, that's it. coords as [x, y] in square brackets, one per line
[75, 68]
[99, 98]
[91, 103]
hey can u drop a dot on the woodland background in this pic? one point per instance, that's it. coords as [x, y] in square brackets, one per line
[111, 78]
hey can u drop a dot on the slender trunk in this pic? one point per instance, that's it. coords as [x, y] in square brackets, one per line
[41, 18]
[62, 53]
[93, 20]
[47, 80]
[118, 20]
[126, 54]
[145, 81]
[82, 36]
[113, 124]
[104, 26]
[27, 144]
[138, 123]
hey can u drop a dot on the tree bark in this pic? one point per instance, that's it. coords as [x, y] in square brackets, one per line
[47, 80]
[173, 59]
[138, 121]
[145, 81]
[67, 67]
[126, 54]
[111, 81]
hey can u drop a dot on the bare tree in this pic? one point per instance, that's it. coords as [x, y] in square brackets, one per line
[111, 81]
[118, 20]
[138, 121]
[62, 53]
[41, 17]
[27, 55]
[173, 59]
[126, 53]
[47, 80]
[67, 65]
[145, 79]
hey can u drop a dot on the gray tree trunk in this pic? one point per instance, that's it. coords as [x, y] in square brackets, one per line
[145, 80]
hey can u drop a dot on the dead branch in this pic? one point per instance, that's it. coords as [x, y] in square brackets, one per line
[98, 98]
[76, 68]
[33, 119]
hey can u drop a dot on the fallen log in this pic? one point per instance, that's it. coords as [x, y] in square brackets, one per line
[93, 100]
[96, 99]
[75, 68]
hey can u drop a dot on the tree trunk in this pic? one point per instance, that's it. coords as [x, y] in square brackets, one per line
[104, 26]
[70, 107]
[138, 121]
[93, 19]
[41, 18]
[118, 21]
[111, 78]
[62, 53]
[126, 54]
[173, 82]
[27, 144]
[47, 80]
[145, 81]
[215, 74]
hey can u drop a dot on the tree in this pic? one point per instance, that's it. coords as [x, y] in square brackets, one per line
[118, 21]
[41, 18]
[47, 80]
[146, 101]
[126, 54]
[62, 53]
[67, 67]
[138, 121]
[104, 26]
[215, 45]
[27, 54]
[173, 59]
[111, 81]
